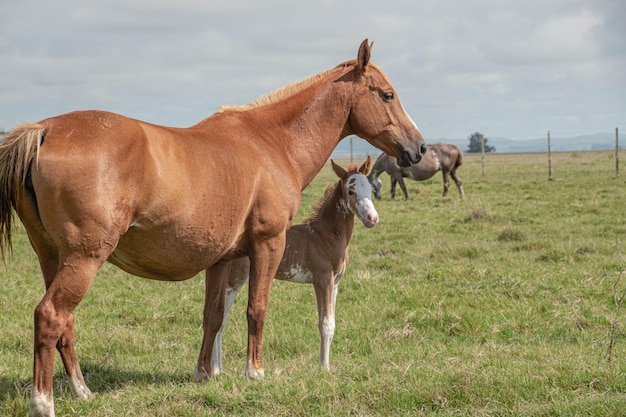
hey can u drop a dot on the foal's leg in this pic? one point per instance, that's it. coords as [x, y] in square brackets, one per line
[238, 276]
[264, 260]
[215, 283]
[326, 296]
[216, 356]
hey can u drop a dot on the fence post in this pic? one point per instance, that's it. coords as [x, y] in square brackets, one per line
[616, 153]
[549, 159]
[482, 151]
[351, 157]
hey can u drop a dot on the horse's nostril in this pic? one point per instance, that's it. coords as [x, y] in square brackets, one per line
[422, 149]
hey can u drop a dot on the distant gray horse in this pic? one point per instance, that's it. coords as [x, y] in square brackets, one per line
[439, 157]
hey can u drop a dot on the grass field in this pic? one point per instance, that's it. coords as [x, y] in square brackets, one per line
[497, 305]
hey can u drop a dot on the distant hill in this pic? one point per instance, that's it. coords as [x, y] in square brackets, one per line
[598, 141]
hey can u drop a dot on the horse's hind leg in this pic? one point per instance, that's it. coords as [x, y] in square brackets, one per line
[65, 345]
[54, 323]
[66, 348]
[400, 181]
[54, 327]
[458, 182]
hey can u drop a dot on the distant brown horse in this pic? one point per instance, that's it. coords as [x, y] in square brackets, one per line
[438, 157]
[166, 203]
[316, 252]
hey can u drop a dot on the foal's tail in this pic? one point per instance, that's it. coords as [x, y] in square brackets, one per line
[17, 151]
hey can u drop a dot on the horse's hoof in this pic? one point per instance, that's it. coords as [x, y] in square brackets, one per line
[80, 389]
[252, 373]
[200, 375]
[41, 405]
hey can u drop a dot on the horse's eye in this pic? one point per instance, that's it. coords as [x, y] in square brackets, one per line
[350, 192]
[388, 96]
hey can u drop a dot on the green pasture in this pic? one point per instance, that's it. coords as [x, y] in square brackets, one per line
[497, 305]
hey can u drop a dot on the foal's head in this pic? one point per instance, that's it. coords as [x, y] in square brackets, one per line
[357, 191]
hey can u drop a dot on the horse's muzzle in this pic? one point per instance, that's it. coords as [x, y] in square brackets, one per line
[407, 159]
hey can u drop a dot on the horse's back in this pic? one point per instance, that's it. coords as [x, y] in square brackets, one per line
[102, 180]
[91, 157]
[450, 155]
[169, 201]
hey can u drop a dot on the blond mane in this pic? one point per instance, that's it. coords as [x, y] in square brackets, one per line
[285, 92]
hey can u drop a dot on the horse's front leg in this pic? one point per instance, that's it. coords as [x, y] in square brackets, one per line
[215, 285]
[446, 182]
[403, 187]
[394, 181]
[265, 257]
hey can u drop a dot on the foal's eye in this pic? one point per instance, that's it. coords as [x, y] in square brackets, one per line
[350, 192]
[388, 96]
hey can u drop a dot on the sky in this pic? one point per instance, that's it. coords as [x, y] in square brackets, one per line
[512, 69]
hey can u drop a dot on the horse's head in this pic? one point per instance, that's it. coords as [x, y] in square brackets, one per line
[377, 115]
[376, 186]
[357, 192]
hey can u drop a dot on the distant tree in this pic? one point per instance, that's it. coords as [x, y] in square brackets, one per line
[475, 143]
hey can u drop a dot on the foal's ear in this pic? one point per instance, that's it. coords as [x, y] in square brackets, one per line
[341, 173]
[363, 57]
[365, 168]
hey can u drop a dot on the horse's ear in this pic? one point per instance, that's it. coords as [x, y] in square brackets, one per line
[365, 168]
[365, 51]
[341, 173]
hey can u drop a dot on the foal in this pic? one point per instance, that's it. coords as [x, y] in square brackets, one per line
[316, 252]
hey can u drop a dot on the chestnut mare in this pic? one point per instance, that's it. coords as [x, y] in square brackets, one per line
[166, 203]
[438, 157]
[316, 252]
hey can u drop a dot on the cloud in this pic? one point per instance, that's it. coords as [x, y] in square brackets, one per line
[458, 66]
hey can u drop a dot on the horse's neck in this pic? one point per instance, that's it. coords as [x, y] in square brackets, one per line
[305, 127]
[380, 165]
[313, 121]
[314, 139]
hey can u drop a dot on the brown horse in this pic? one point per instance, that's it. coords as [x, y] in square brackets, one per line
[316, 252]
[438, 157]
[166, 203]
